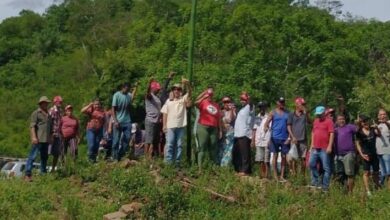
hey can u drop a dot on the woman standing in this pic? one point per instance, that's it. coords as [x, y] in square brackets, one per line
[209, 126]
[70, 132]
[228, 117]
[366, 137]
[94, 127]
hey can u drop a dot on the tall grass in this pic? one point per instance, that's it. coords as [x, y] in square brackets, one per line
[86, 191]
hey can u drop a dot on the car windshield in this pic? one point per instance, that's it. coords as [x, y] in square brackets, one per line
[8, 166]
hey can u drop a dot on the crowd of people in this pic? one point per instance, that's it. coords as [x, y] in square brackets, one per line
[224, 135]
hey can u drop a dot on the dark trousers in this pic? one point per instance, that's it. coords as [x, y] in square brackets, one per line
[242, 155]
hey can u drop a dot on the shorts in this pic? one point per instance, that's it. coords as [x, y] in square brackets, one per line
[372, 163]
[56, 148]
[345, 164]
[152, 132]
[278, 145]
[262, 154]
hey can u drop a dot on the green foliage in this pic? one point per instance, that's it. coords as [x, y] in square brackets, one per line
[83, 49]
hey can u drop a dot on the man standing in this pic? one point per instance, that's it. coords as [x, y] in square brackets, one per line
[242, 137]
[279, 137]
[383, 146]
[261, 139]
[121, 103]
[296, 125]
[41, 134]
[345, 152]
[175, 120]
[320, 148]
[152, 118]
[153, 103]
[56, 114]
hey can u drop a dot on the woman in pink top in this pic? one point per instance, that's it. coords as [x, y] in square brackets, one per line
[94, 127]
[69, 127]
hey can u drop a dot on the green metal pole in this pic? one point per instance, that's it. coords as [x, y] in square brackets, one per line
[190, 71]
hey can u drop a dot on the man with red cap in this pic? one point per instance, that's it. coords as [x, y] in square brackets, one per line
[152, 119]
[242, 137]
[297, 127]
[56, 114]
[154, 100]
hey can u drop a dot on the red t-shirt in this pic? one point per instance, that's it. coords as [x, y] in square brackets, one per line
[321, 132]
[69, 126]
[210, 114]
[97, 118]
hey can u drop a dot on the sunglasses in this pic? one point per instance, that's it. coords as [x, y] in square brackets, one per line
[178, 89]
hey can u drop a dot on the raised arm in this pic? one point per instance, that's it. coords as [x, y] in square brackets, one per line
[86, 108]
[134, 92]
[202, 96]
[148, 90]
[187, 85]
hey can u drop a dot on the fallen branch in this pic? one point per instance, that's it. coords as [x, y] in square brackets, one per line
[186, 182]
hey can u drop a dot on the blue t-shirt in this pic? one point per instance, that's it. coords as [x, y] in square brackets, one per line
[279, 125]
[122, 103]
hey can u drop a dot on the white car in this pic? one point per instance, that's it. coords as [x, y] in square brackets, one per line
[16, 168]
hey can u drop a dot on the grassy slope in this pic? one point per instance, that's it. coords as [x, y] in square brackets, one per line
[85, 191]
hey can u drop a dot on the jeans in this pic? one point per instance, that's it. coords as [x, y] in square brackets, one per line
[174, 145]
[43, 149]
[315, 155]
[384, 163]
[121, 139]
[93, 140]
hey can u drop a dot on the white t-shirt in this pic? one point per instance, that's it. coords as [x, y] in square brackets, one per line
[383, 142]
[176, 111]
[261, 138]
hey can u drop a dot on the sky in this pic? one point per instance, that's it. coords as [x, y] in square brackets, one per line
[379, 9]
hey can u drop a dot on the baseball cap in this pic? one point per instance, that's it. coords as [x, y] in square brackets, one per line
[68, 107]
[319, 110]
[262, 104]
[281, 100]
[155, 85]
[299, 101]
[328, 111]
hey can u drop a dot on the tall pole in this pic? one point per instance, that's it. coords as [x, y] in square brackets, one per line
[190, 71]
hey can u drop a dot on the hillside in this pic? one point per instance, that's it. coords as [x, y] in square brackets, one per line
[83, 49]
[89, 192]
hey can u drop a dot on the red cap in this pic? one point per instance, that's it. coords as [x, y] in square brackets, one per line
[328, 111]
[155, 85]
[57, 99]
[299, 101]
[244, 96]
